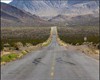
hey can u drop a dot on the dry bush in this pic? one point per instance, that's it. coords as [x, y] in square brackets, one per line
[32, 35]
[75, 35]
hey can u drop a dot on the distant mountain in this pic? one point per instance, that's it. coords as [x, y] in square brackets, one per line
[12, 16]
[47, 12]
[60, 18]
[88, 20]
[84, 20]
[57, 7]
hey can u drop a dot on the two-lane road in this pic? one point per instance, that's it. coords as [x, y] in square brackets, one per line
[53, 62]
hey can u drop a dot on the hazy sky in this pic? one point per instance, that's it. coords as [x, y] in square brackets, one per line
[6, 1]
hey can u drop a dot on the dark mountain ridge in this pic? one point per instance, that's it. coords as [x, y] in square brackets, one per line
[79, 20]
[12, 16]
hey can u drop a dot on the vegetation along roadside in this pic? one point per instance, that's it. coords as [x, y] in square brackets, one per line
[17, 42]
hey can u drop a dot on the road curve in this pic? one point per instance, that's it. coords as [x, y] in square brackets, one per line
[53, 62]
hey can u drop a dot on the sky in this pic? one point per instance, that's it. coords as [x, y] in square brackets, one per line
[6, 1]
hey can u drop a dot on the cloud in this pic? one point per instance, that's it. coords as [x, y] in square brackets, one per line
[6, 1]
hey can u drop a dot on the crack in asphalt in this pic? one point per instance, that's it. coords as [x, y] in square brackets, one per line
[60, 60]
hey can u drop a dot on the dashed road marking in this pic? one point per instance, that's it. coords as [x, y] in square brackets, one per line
[54, 30]
[53, 68]
[52, 74]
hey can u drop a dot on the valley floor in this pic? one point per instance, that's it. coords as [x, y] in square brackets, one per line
[53, 62]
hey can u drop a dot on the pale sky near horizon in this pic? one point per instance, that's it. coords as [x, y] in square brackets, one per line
[6, 1]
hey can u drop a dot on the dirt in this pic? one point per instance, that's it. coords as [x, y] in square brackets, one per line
[92, 52]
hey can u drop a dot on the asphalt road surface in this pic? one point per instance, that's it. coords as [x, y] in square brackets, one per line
[53, 62]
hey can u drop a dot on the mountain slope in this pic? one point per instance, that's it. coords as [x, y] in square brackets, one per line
[12, 16]
[79, 20]
[60, 18]
[56, 7]
[84, 20]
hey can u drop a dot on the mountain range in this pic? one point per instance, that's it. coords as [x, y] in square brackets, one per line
[58, 7]
[50, 12]
[12, 16]
[79, 20]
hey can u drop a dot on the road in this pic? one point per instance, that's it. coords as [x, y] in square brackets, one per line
[53, 62]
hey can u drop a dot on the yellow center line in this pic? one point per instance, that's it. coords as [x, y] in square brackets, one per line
[52, 74]
[52, 68]
[53, 63]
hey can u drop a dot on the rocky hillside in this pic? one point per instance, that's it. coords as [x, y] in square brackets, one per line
[57, 7]
[80, 20]
[12, 16]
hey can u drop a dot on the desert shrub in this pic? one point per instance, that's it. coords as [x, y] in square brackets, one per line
[98, 46]
[9, 57]
[24, 52]
[24, 35]
[76, 35]
[1, 47]
[18, 45]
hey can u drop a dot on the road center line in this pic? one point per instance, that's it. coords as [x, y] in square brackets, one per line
[54, 55]
[52, 68]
